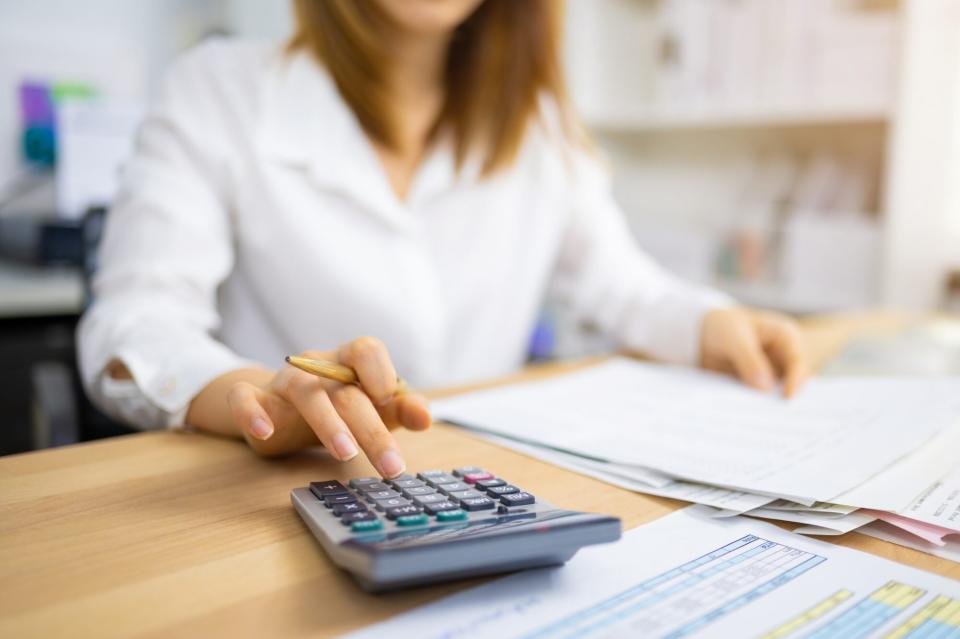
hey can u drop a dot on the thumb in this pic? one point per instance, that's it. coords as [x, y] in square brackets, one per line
[749, 359]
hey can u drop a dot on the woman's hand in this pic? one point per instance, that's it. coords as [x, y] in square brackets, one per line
[756, 346]
[291, 409]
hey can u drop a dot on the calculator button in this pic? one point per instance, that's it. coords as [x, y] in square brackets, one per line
[477, 503]
[418, 490]
[333, 500]
[393, 502]
[323, 488]
[465, 494]
[439, 507]
[373, 487]
[451, 515]
[452, 487]
[349, 518]
[377, 495]
[403, 511]
[400, 484]
[483, 484]
[362, 482]
[465, 470]
[496, 491]
[366, 526]
[435, 498]
[517, 499]
[413, 520]
[472, 478]
[352, 507]
[511, 510]
[441, 478]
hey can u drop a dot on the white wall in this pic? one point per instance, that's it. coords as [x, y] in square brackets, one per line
[923, 212]
[120, 46]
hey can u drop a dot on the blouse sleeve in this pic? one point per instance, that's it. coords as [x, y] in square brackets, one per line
[605, 277]
[166, 249]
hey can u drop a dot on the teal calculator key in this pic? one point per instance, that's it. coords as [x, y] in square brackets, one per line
[451, 515]
[366, 526]
[412, 520]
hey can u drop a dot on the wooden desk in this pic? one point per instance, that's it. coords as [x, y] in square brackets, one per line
[175, 534]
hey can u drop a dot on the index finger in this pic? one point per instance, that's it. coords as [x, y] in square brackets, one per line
[356, 409]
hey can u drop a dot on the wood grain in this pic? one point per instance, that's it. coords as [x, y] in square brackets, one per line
[181, 534]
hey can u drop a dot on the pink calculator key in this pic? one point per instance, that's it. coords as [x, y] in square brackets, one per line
[472, 478]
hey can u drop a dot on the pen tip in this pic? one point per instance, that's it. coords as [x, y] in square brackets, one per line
[287, 359]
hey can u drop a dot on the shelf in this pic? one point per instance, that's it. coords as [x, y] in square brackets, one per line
[662, 119]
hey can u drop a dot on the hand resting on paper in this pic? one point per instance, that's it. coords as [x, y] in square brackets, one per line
[756, 346]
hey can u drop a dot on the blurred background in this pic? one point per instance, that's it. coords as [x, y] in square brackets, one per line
[803, 155]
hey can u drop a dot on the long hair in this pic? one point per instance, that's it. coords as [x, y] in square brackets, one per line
[502, 62]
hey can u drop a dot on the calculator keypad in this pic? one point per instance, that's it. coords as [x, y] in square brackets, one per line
[408, 501]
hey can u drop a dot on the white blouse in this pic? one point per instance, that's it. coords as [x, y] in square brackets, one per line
[255, 221]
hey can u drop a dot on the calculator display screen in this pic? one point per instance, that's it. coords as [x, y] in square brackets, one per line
[469, 530]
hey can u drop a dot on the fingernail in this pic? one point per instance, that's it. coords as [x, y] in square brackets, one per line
[260, 428]
[391, 464]
[343, 444]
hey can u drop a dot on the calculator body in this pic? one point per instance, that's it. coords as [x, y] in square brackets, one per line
[465, 543]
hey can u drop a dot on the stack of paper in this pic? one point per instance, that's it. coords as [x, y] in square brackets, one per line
[842, 454]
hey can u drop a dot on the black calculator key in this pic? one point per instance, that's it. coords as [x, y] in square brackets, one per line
[377, 495]
[511, 510]
[349, 518]
[403, 511]
[466, 494]
[400, 484]
[496, 491]
[477, 503]
[332, 500]
[351, 507]
[440, 478]
[429, 499]
[373, 487]
[466, 470]
[517, 499]
[362, 482]
[323, 488]
[393, 502]
[418, 490]
[483, 484]
[452, 487]
[439, 507]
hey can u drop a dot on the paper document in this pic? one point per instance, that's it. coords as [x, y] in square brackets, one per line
[882, 530]
[733, 502]
[897, 487]
[817, 523]
[709, 428]
[939, 504]
[688, 575]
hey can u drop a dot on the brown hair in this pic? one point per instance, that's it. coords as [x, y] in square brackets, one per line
[501, 62]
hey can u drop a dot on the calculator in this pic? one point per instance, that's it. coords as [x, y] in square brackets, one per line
[438, 526]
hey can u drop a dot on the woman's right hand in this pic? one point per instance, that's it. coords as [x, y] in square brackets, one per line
[294, 409]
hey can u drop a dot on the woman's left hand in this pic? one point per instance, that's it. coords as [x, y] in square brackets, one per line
[756, 346]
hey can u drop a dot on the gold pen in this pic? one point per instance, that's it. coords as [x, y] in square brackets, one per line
[335, 371]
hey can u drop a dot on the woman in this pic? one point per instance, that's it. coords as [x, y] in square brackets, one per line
[406, 169]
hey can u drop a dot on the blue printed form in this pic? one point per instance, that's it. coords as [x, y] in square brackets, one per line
[689, 575]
